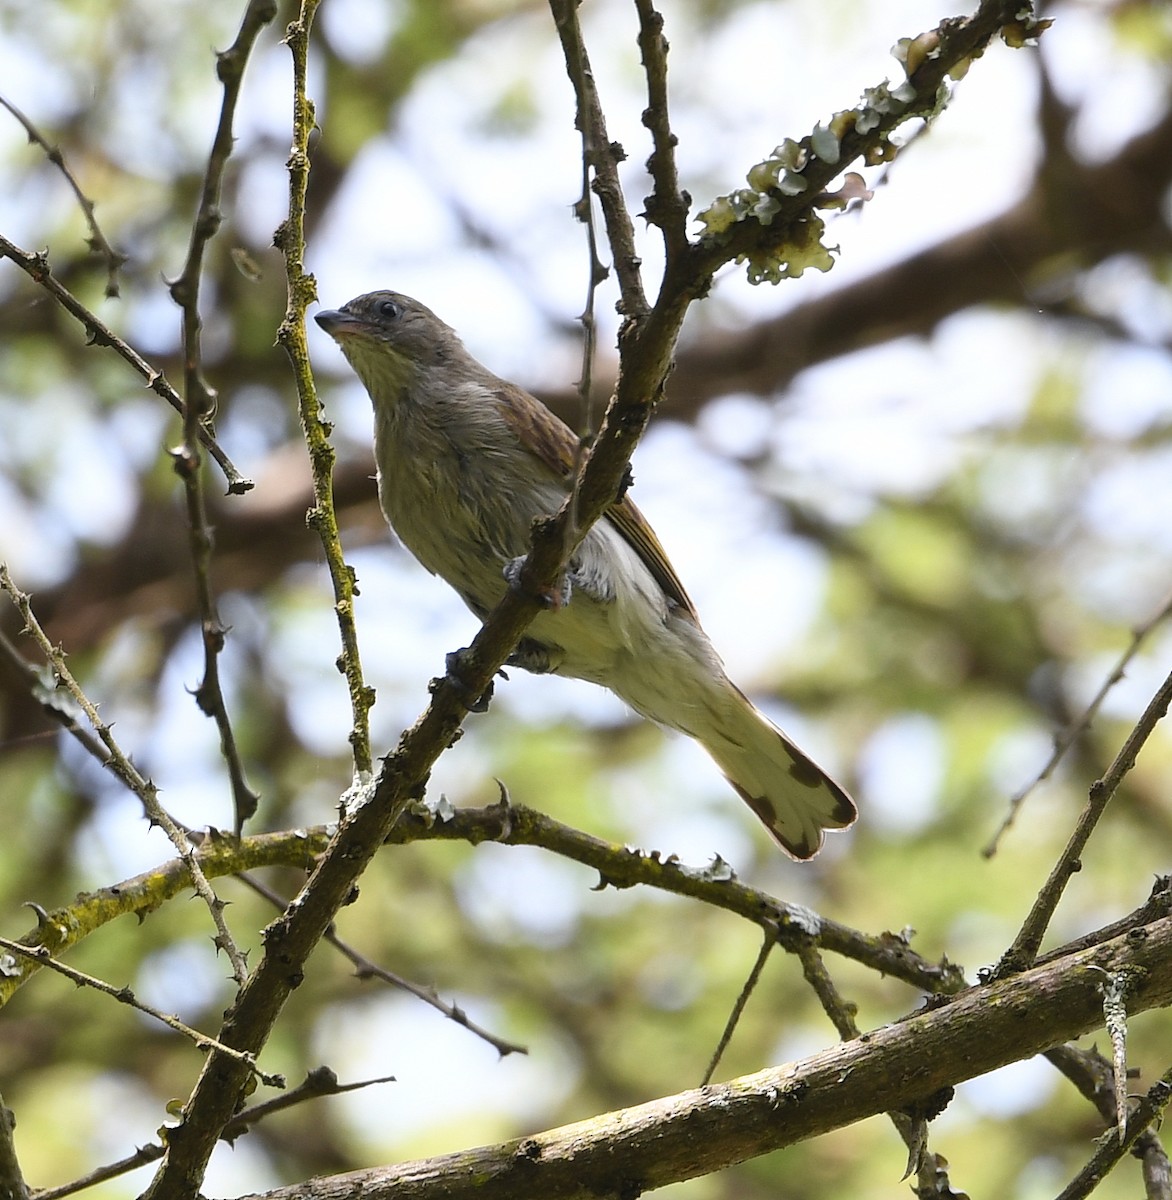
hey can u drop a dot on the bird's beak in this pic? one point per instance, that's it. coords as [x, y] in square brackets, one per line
[337, 323]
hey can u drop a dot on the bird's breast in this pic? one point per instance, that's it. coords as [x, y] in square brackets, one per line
[460, 493]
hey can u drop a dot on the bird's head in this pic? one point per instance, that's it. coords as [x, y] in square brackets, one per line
[390, 340]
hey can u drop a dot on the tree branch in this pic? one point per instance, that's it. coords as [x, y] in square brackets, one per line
[36, 267]
[1025, 946]
[98, 242]
[634, 1150]
[301, 291]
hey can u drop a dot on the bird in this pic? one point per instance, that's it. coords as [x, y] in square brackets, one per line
[467, 462]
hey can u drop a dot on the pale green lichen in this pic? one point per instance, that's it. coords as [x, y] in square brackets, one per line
[826, 143]
[802, 250]
[782, 173]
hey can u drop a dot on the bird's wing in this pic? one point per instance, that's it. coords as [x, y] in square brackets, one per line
[636, 530]
[556, 445]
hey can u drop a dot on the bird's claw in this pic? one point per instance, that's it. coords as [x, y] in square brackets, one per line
[553, 598]
[454, 664]
[531, 656]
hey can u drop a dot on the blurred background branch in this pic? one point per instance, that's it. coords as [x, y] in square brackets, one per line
[919, 500]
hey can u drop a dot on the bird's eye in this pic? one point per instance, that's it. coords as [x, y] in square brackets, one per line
[387, 308]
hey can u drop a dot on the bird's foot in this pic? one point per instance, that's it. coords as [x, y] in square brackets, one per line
[553, 598]
[531, 656]
[454, 664]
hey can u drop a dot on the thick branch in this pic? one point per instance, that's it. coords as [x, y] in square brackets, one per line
[703, 1130]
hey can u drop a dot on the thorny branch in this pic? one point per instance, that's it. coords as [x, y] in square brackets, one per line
[1025, 946]
[1068, 736]
[98, 333]
[97, 239]
[200, 401]
[126, 771]
[124, 995]
[301, 292]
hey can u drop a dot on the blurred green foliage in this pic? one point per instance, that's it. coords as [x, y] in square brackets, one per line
[971, 554]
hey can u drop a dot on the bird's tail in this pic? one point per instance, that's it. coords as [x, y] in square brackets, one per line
[794, 798]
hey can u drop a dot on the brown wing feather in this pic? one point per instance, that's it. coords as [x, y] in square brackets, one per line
[555, 444]
[636, 530]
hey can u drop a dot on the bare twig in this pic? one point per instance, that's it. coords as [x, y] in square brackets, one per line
[319, 1082]
[911, 1121]
[1112, 1146]
[124, 995]
[126, 771]
[1157, 1169]
[230, 66]
[1068, 736]
[1157, 905]
[738, 1008]
[12, 1184]
[200, 399]
[667, 206]
[97, 239]
[42, 687]
[302, 291]
[143, 1155]
[366, 969]
[841, 1012]
[603, 157]
[1025, 946]
[597, 272]
[36, 267]
[209, 695]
